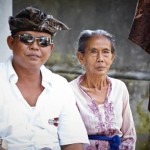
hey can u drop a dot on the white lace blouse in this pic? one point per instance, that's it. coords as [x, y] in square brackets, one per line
[114, 117]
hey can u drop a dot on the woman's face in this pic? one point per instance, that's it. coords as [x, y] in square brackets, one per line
[98, 56]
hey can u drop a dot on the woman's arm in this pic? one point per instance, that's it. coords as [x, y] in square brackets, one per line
[128, 128]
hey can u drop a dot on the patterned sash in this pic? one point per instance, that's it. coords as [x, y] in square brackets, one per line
[114, 141]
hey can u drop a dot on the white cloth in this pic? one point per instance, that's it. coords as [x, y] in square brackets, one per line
[114, 117]
[23, 128]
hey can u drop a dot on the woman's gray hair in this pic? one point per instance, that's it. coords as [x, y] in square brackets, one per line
[85, 35]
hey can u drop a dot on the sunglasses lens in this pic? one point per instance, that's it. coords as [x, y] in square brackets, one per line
[26, 38]
[29, 39]
[44, 41]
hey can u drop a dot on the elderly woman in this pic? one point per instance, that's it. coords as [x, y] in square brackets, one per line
[103, 101]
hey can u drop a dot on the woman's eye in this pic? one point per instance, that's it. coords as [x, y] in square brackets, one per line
[93, 51]
[106, 52]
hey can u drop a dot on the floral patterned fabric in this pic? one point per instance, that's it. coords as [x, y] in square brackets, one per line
[140, 30]
[114, 117]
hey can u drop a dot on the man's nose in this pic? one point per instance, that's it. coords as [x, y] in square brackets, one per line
[34, 45]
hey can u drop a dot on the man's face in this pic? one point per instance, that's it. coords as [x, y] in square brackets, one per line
[30, 55]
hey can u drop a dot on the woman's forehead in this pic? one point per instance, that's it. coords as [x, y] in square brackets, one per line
[98, 40]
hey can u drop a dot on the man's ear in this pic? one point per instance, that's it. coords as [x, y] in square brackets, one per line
[10, 41]
[52, 46]
[80, 57]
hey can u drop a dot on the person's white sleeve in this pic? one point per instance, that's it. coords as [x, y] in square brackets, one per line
[71, 128]
[128, 128]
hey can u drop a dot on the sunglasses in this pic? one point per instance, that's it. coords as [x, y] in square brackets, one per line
[29, 39]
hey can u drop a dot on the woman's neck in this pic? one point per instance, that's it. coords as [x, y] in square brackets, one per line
[98, 82]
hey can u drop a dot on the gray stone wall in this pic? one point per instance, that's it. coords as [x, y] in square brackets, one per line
[114, 16]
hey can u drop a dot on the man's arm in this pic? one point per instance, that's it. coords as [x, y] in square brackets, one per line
[76, 146]
[1, 148]
[1, 145]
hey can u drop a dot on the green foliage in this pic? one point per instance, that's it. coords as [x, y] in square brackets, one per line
[54, 59]
[60, 59]
[143, 129]
[144, 120]
[65, 65]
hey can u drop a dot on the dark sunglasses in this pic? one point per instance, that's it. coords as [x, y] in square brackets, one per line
[29, 39]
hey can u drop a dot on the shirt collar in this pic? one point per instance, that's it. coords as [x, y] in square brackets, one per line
[46, 77]
[13, 77]
[11, 74]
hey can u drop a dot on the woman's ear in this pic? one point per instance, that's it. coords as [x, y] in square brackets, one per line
[80, 57]
[10, 41]
[113, 57]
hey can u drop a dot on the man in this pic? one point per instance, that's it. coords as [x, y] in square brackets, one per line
[37, 107]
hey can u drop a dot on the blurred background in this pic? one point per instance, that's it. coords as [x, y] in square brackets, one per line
[132, 64]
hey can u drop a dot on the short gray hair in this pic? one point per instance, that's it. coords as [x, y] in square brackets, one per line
[85, 35]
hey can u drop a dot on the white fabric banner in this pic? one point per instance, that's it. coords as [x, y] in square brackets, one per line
[5, 12]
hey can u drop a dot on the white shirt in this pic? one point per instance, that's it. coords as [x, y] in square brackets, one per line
[25, 128]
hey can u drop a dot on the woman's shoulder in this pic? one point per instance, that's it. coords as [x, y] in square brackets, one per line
[75, 81]
[118, 82]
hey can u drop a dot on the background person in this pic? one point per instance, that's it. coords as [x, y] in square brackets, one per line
[103, 101]
[37, 107]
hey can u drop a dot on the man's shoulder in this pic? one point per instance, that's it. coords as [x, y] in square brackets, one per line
[55, 77]
[73, 82]
[2, 68]
[2, 65]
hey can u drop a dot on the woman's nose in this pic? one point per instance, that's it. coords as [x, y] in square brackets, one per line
[100, 57]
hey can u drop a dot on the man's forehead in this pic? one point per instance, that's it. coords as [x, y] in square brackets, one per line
[35, 33]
